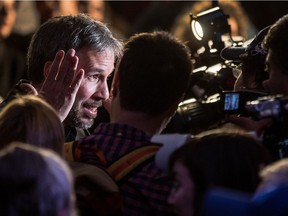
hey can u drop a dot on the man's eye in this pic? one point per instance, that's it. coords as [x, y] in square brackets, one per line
[93, 77]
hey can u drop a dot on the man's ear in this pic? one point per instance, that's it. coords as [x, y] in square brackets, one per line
[47, 68]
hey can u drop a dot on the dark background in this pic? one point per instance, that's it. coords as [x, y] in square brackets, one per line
[146, 15]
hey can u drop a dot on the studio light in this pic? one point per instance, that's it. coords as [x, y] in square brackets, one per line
[209, 26]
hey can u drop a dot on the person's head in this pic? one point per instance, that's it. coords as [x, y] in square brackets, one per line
[250, 74]
[231, 160]
[153, 74]
[7, 17]
[31, 120]
[34, 181]
[252, 64]
[51, 8]
[276, 43]
[96, 49]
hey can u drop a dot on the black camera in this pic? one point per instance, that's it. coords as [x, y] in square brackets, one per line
[196, 115]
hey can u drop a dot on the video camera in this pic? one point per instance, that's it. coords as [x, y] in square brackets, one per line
[195, 115]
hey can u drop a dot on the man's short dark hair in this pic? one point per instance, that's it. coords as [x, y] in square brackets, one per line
[153, 73]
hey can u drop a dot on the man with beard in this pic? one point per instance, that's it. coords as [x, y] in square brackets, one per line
[78, 53]
[70, 59]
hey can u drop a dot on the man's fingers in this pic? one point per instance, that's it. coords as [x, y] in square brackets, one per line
[53, 72]
[77, 81]
[71, 71]
[68, 67]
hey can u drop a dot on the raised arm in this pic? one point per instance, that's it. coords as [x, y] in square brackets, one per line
[62, 82]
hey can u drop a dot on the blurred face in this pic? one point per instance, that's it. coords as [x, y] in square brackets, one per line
[96, 9]
[98, 67]
[51, 8]
[66, 8]
[7, 17]
[277, 82]
[182, 194]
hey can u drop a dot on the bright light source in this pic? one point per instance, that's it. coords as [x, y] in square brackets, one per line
[197, 29]
[209, 26]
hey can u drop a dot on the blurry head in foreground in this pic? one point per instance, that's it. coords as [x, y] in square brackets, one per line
[34, 181]
[31, 120]
[229, 160]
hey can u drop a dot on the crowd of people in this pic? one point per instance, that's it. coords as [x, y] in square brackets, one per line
[55, 159]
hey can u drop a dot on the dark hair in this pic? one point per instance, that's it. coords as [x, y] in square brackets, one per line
[231, 160]
[253, 68]
[153, 73]
[65, 32]
[32, 120]
[276, 40]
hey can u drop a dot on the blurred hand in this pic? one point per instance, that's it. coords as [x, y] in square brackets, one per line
[249, 124]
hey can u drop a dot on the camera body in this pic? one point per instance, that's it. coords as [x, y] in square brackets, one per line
[196, 115]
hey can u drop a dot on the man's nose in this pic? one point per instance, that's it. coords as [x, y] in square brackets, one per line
[102, 92]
